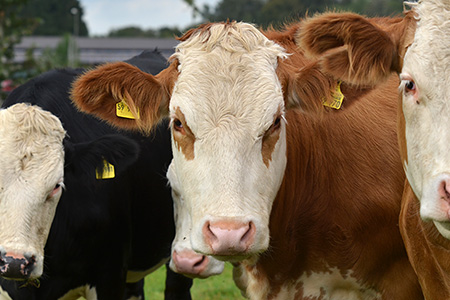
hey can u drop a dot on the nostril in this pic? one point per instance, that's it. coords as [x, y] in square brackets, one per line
[249, 233]
[444, 188]
[200, 261]
[28, 265]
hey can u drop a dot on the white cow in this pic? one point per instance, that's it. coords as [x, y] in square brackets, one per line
[183, 259]
[426, 109]
[31, 177]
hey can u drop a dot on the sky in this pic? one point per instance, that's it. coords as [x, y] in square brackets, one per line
[103, 15]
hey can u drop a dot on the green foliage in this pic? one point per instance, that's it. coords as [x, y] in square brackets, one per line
[12, 28]
[278, 12]
[56, 17]
[132, 31]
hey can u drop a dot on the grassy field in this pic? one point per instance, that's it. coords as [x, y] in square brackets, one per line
[214, 288]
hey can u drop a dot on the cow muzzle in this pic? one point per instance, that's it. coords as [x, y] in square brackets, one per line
[16, 266]
[229, 238]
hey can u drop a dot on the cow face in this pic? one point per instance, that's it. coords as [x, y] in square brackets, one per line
[228, 137]
[183, 259]
[31, 180]
[425, 90]
[226, 106]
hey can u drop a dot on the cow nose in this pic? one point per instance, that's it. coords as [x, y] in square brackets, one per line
[444, 190]
[189, 263]
[16, 266]
[228, 237]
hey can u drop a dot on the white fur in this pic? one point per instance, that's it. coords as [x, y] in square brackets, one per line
[86, 291]
[229, 93]
[182, 240]
[427, 61]
[31, 164]
[331, 284]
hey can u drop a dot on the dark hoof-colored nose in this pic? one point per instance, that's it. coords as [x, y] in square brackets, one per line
[15, 266]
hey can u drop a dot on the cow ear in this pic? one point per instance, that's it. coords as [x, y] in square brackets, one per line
[307, 88]
[147, 96]
[350, 48]
[84, 160]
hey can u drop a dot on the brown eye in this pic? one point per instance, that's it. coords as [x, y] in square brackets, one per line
[410, 86]
[178, 126]
[275, 126]
[277, 123]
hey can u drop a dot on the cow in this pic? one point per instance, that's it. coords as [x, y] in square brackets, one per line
[105, 232]
[183, 259]
[419, 53]
[304, 202]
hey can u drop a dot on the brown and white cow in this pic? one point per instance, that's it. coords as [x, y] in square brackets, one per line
[307, 203]
[421, 55]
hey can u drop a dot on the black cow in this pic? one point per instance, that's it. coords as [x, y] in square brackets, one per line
[105, 231]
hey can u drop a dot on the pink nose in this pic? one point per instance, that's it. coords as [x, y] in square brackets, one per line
[229, 238]
[189, 262]
[444, 190]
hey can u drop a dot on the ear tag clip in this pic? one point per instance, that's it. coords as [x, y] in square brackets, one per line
[336, 97]
[108, 171]
[123, 111]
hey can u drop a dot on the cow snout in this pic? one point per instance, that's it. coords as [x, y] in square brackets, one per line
[229, 238]
[16, 266]
[444, 190]
[190, 263]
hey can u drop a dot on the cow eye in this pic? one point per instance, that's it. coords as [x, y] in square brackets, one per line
[178, 126]
[410, 86]
[277, 123]
[274, 127]
[55, 190]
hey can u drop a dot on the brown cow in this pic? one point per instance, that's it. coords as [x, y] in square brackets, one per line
[419, 51]
[306, 204]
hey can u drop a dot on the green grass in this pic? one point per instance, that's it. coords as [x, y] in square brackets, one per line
[219, 287]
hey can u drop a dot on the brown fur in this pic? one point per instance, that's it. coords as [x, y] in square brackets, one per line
[355, 49]
[184, 141]
[98, 91]
[340, 199]
[428, 250]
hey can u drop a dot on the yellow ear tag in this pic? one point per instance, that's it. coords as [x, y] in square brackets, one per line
[123, 111]
[108, 171]
[336, 97]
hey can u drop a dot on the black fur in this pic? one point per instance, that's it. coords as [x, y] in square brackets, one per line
[103, 228]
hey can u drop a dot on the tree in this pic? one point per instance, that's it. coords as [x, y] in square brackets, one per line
[12, 28]
[57, 17]
[278, 12]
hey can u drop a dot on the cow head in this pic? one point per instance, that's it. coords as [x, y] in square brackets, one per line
[425, 90]
[226, 93]
[34, 162]
[417, 47]
[31, 181]
[183, 259]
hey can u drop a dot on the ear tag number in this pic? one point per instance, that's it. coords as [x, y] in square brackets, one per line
[336, 97]
[123, 111]
[108, 171]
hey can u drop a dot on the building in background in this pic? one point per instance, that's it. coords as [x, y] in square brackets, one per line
[97, 50]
